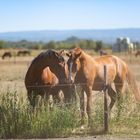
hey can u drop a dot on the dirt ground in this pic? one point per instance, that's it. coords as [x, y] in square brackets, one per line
[104, 137]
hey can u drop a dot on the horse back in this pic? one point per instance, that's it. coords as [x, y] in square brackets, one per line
[122, 68]
[115, 67]
[111, 68]
[93, 68]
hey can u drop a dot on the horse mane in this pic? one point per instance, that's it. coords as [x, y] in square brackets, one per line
[43, 55]
[37, 62]
[81, 53]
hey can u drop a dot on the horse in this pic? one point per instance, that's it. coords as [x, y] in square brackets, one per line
[137, 53]
[88, 72]
[23, 53]
[45, 76]
[6, 54]
[102, 52]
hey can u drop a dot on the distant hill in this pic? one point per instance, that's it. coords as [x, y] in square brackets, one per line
[106, 35]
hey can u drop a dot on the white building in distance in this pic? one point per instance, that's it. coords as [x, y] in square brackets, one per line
[123, 45]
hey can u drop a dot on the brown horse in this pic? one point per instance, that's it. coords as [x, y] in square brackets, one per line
[89, 73]
[6, 55]
[47, 72]
[137, 53]
[23, 53]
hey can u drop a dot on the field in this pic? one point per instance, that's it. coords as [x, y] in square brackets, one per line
[18, 121]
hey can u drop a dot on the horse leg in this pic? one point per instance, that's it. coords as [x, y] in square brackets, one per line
[119, 87]
[31, 97]
[48, 98]
[113, 96]
[82, 105]
[75, 96]
[57, 96]
[89, 104]
[73, 90]
[68, 92]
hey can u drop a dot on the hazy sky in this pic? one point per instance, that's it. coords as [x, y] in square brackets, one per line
[21, 15]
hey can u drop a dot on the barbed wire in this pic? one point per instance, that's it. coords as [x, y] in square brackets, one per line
[73, 84]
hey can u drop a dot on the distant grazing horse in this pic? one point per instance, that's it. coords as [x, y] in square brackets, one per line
[23, 53]
[45, 76]
[102, 52]
[137, 53]
[6, 55]
[88, 71]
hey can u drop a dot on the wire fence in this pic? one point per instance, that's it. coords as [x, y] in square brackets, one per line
[100, 112]
[59, 120]
[76, 84]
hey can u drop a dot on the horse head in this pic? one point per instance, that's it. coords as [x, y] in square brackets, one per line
[57, 64]
[73, 63]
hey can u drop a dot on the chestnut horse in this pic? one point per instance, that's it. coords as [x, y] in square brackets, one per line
[137, 53]
[89, 73]
[46, 71]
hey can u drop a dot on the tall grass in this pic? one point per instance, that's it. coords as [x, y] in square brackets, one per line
[18, 120]
[126, 118]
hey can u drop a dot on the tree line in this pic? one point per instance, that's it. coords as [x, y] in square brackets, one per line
[66, 44]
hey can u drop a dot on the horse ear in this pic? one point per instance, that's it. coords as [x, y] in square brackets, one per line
[62, 52]
[56, 54]
[77, 55]
[78, 52]
[68, 54]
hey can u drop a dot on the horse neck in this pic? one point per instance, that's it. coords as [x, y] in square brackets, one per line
[86, 59]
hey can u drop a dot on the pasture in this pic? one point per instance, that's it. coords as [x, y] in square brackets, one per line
[18, 121]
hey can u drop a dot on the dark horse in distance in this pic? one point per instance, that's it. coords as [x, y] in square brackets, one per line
[6, 55]
[23, 53]
[102, 52]
[137, 53]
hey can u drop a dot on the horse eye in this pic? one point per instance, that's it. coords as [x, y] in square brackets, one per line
[61, 59]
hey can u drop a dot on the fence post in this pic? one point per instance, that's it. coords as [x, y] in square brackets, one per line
[105, 101]
[14, 59]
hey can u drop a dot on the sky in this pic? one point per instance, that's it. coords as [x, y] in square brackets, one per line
[25, 15]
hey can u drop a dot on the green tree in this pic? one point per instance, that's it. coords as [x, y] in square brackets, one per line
[99, 46]
[50, 45]
[37, 46]
[2, 43]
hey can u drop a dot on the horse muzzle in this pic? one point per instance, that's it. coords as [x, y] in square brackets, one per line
[71, 80]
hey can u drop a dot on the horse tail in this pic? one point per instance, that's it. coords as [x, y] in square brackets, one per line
[132, 82]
